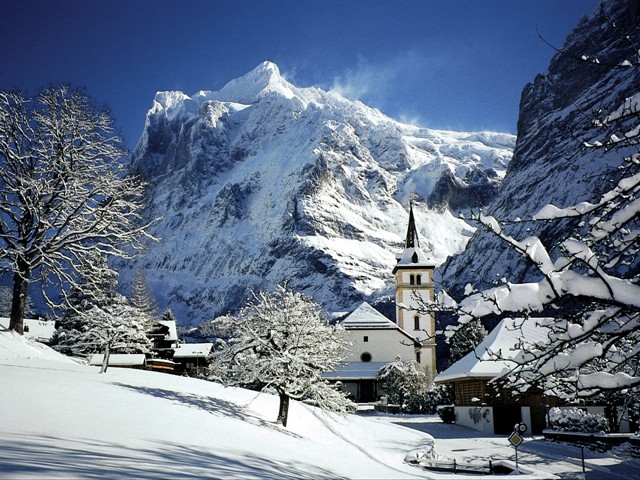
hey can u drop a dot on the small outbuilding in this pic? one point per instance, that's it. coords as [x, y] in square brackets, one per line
[192, 358]
[478, 404]
[121, 360]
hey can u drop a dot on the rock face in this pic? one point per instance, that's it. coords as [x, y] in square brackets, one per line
[592, 75]
[262, 182]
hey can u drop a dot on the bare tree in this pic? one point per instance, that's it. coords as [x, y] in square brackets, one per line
[64, 191]
[281, 342]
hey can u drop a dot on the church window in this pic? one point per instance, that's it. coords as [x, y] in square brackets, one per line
[418, 279]
[365, 357]
[416, 322]
[366, 338]
[418, 356]
[414, 257]
[412, 280]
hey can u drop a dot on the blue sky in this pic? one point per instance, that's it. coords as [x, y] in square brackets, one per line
[451, 64]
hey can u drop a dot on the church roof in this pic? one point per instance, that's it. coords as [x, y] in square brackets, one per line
[502, 341]
[365, 316]
[412, 256]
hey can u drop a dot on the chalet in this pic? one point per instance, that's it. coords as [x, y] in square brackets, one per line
[478, 404]
[192, 358]
[164, 336]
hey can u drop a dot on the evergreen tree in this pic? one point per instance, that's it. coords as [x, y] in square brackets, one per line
[405, 385]
[466, 338]
[141, 297]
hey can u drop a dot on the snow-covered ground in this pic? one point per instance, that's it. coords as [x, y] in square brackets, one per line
[61, 419]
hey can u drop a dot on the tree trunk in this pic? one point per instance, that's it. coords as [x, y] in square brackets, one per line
[19, 300]
[105, 360]
[283, 411]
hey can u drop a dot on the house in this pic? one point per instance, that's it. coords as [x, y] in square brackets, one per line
[164, 336]
[376, 342]
[192, 358]
[478, 404]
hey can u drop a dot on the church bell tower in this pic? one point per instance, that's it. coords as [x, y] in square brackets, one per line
[413, 274]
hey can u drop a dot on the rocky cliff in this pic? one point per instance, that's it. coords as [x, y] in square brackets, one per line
[561, 115]
[263, 182]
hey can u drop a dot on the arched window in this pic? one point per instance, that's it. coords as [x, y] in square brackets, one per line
[412, 279]
[365, 357]
[418, 279]
[416, 322]
[418, 356]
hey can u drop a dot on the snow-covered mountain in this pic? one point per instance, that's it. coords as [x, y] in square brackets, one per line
[262, 182]
[591, 76]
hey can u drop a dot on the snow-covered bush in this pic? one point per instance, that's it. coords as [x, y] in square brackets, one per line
[577, 420]
[405, 385]
[438, 395]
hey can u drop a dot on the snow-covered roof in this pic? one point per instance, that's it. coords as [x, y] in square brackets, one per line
[172, 336]
[365, 316]
[502, 340]
[41, 330]
[355, 371]
[414, 257]
[120, 359]
[191, 350]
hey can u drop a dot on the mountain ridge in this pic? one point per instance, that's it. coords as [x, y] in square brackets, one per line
[296, 184]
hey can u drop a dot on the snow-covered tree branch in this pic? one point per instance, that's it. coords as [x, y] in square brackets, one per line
[281, 342]
[64, 191]
[586, 291]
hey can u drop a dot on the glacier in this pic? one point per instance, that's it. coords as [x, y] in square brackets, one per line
[263, 182]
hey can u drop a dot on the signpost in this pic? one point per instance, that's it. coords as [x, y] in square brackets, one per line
[516, 438]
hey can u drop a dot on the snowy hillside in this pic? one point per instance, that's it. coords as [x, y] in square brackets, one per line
[551, 164]
[264, 181]
[60, 419]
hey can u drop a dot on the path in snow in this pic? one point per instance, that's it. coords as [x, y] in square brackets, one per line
[468, 445]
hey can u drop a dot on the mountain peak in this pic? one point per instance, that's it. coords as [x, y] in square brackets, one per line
[249, 88]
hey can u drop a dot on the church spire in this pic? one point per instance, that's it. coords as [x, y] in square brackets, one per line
[412, 233]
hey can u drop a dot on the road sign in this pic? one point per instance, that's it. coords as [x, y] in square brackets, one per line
[515, 439]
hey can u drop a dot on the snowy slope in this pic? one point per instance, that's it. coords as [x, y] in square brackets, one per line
[64, 420]
[551, 165]
[60, 419]
[264, 181]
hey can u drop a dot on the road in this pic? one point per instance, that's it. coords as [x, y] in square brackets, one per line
[468, 445]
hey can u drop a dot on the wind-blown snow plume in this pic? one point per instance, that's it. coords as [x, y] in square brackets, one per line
[263, 181]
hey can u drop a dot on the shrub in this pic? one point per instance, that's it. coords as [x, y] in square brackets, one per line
[577, 420]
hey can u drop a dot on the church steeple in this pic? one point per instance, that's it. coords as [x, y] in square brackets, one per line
[412, 240]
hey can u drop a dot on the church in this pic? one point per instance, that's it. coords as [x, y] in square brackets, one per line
[377, 340]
